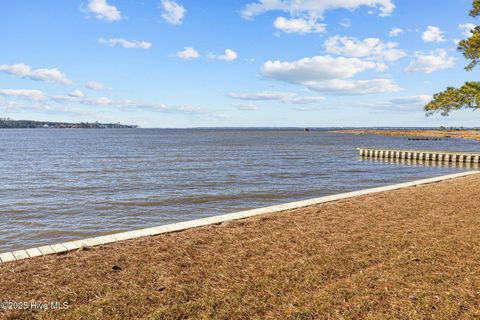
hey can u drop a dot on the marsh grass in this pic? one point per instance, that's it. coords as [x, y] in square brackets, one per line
[465, 134]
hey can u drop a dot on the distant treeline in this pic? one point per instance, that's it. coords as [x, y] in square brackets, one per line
[6, 123]
[442, 128]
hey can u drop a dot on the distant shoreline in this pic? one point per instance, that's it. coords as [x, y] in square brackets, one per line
[432, 133]
[30, 124]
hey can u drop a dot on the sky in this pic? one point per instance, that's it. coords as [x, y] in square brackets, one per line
[252, 63]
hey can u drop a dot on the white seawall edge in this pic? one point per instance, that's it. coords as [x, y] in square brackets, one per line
[106, 239]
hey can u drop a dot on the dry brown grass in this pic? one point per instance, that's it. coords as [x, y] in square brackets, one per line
[466, 134]
[407, 254]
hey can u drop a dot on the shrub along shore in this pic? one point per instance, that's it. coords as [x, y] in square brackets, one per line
[405, 254]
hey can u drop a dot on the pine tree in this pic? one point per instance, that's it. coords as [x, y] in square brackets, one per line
[468, 95]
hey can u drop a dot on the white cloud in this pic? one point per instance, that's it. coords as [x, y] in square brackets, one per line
[94, 85]
[128, 105]
[104, 11]
[318, 68]
[35, 106]
[173, 12]
[76, 94]
[228, 55]
[284, 97]
[346, 23]
[75, 100]
[305, 100]
[329, 74]
[370, 47]
[27, 100]
[25, 71]
[127, 44]
[307, 108]
[430, 62]
[102, 101]
[35, 95]
[412, 100]
[82, 99]
[247, 107]
[188, 53]
[137, 106]
[304, 14]
[466, 28]
[394, 32]
[354, 87]
[433, 34]
[265, 95]
[299, 25]
[313, 8]
[401, 104]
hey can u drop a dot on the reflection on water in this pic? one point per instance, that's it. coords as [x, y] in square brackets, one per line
[59, 185]
[422, 163]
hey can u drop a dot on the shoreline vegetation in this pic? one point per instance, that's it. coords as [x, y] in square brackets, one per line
[430, 133]
[6, 123]
[390, 254]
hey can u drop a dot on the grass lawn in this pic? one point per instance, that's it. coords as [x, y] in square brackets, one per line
[412, 253]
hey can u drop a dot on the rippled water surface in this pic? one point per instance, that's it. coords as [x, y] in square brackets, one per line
[59, 185]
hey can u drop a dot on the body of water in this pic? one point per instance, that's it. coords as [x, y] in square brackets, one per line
[59, 185]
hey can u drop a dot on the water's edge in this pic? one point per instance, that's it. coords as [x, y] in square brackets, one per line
[74, 245]
[59, 186]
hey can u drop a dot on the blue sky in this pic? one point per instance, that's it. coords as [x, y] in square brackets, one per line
[188, 63]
